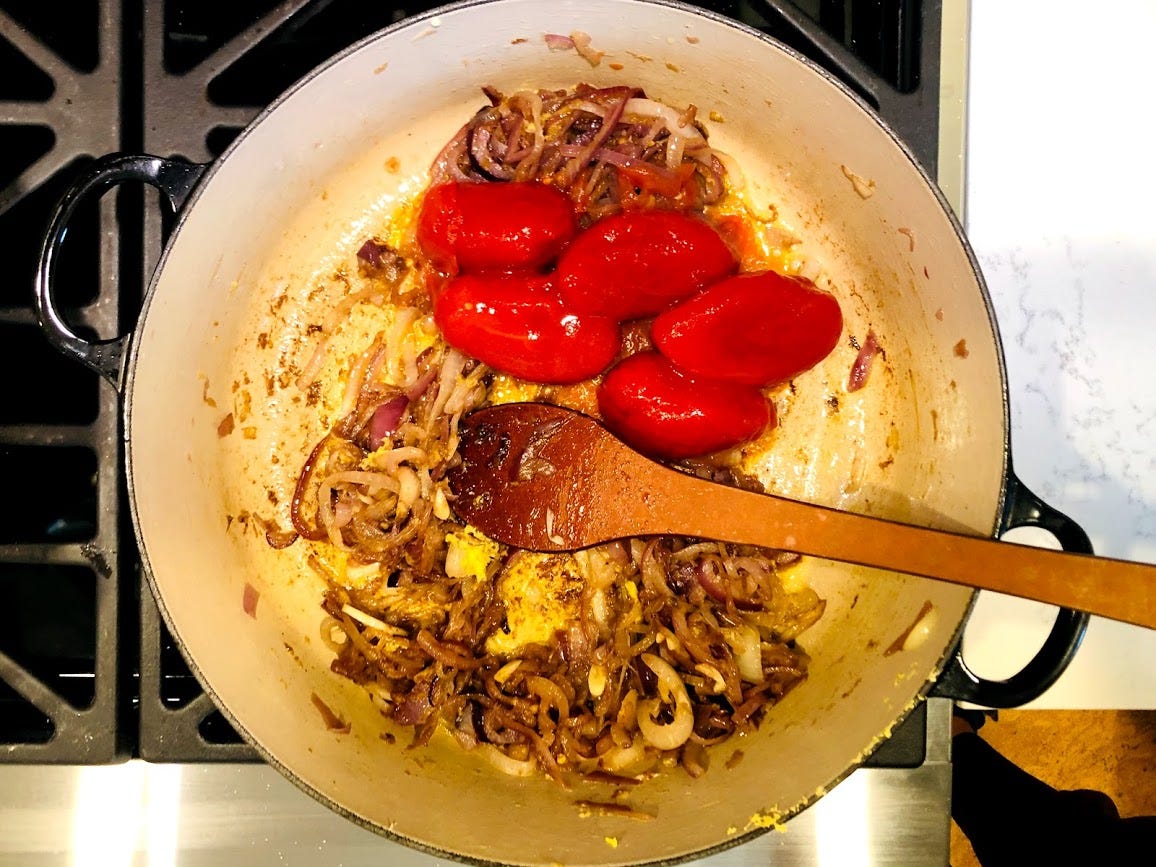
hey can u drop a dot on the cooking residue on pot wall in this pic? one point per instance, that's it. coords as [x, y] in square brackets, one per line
[864, 187]
[333, 722]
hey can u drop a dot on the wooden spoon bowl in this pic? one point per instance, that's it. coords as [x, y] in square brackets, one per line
[545, 478]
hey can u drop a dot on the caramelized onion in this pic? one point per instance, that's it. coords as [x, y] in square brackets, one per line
[672, 735]
[607, 147]
[314, 534]
[667, 645]
[507, 765]
[447, 654]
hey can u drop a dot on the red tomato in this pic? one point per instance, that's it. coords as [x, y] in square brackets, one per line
[516, 323]
[755, 329]
[434, 281]
[476, 227]
[636, 263]
[666, 414]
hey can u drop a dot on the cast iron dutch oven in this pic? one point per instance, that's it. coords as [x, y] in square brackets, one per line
[243, 275]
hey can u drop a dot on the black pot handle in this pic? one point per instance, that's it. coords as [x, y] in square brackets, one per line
[1022, 508]
[174, 178]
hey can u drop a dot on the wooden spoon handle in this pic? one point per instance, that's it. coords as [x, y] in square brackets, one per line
[1118, 589]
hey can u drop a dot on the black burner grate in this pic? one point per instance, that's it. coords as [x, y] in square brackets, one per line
[61, 659]
[88, 672]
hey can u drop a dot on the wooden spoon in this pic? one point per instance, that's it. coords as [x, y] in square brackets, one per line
[544, 478]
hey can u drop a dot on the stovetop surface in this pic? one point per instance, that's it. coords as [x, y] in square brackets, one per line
[88, 672]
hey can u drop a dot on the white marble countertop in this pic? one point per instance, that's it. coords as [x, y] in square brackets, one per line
[1060, 201]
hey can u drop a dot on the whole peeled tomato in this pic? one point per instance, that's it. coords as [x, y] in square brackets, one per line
[636, 263]
[505, 227]
[666, 414]
[517, 324]
[756, 329]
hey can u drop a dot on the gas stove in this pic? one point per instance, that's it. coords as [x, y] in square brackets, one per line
[88, 673]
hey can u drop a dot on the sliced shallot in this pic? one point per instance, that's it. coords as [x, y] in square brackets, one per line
[672, 735]
[863, 362]
[385, 420]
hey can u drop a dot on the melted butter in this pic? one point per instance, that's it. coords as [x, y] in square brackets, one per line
[507, 389]
[542, 594]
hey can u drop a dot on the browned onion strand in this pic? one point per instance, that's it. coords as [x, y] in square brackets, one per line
[582, 140]
[674, 644]
[436, 670]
